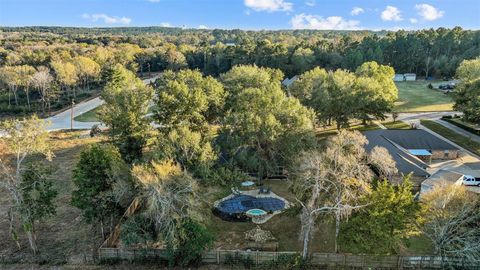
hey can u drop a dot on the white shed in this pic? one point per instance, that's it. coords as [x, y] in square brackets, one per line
[398, 78]
[410, 76]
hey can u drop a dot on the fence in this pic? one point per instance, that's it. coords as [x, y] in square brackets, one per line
[329, 260]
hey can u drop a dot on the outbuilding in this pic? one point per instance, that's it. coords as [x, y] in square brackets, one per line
[410, 76]
[398, 78]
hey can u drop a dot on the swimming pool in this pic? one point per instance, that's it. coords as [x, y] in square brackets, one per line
[236, 207]
[256, 212]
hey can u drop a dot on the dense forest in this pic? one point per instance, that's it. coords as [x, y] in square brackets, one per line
[42, 68]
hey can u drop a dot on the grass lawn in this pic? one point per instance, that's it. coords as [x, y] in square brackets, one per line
[91, 116]
[285, 227]
[323, 133]
[461, 140]
[396, 125]
[416, 97]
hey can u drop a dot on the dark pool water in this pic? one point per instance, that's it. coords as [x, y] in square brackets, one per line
[242, 203]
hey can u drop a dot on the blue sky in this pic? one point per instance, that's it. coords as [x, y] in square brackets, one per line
[244, 14]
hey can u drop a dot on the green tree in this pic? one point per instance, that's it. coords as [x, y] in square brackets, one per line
[127, 100]
[10, 77]
[467, 93]
[265, 129]
[38, 197]
[388, 218]
[66, 74]
[302, 60]
[194, 240]
[86, 69]
[23, 138]
[189, 148]
[169, 195]
[376, 92]
[97, 173]
[186, 98]
[241, 77]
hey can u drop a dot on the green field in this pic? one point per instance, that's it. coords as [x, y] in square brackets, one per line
[91, 116]
[396, 125]
[417, 97]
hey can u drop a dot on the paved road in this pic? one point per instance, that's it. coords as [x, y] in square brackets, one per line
[415, 117]
[62, 120]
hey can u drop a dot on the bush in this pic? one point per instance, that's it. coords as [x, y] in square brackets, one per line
[137, 230]
[194, 239]
[94, 131]
[224, 176]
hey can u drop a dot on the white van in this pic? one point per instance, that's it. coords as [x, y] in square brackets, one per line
[469, 180]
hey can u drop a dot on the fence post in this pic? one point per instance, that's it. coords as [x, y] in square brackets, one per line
[218, 256]
[256, 257]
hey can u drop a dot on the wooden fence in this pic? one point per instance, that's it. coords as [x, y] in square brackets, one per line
[328, 260]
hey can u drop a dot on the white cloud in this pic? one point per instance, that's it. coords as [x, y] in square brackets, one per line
[391, 13]
[106, 19]
[268, 5]
[305, 21]
[310, 3]
[356, 11]
[413, 20]
[165, 24]
[202, 26]
[153, 1]
[429, 12]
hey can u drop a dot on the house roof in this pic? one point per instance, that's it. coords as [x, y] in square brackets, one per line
[443, 176]
[417, 139]
[405, 162]
[287, 82]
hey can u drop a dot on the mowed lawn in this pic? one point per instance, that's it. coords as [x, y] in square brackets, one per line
[91, 116]
[417, 97]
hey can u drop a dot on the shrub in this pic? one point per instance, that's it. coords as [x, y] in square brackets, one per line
[194, 239]
[462, 126]
[94, 131]
[225, 176]
[137, 230]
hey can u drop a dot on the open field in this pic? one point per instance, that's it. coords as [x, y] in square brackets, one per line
[461, 140]
[417, 97]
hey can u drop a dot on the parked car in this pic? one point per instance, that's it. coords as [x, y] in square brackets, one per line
[469, 180]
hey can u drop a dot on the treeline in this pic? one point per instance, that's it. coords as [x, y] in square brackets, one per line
[56, 50]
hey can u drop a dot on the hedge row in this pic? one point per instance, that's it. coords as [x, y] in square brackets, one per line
[460, 125]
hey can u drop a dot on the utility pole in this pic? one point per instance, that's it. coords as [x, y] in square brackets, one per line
[71, 115]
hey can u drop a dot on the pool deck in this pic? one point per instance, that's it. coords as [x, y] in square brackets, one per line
[256, 194]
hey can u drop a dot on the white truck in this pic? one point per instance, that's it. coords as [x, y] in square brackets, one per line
[469, 180]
